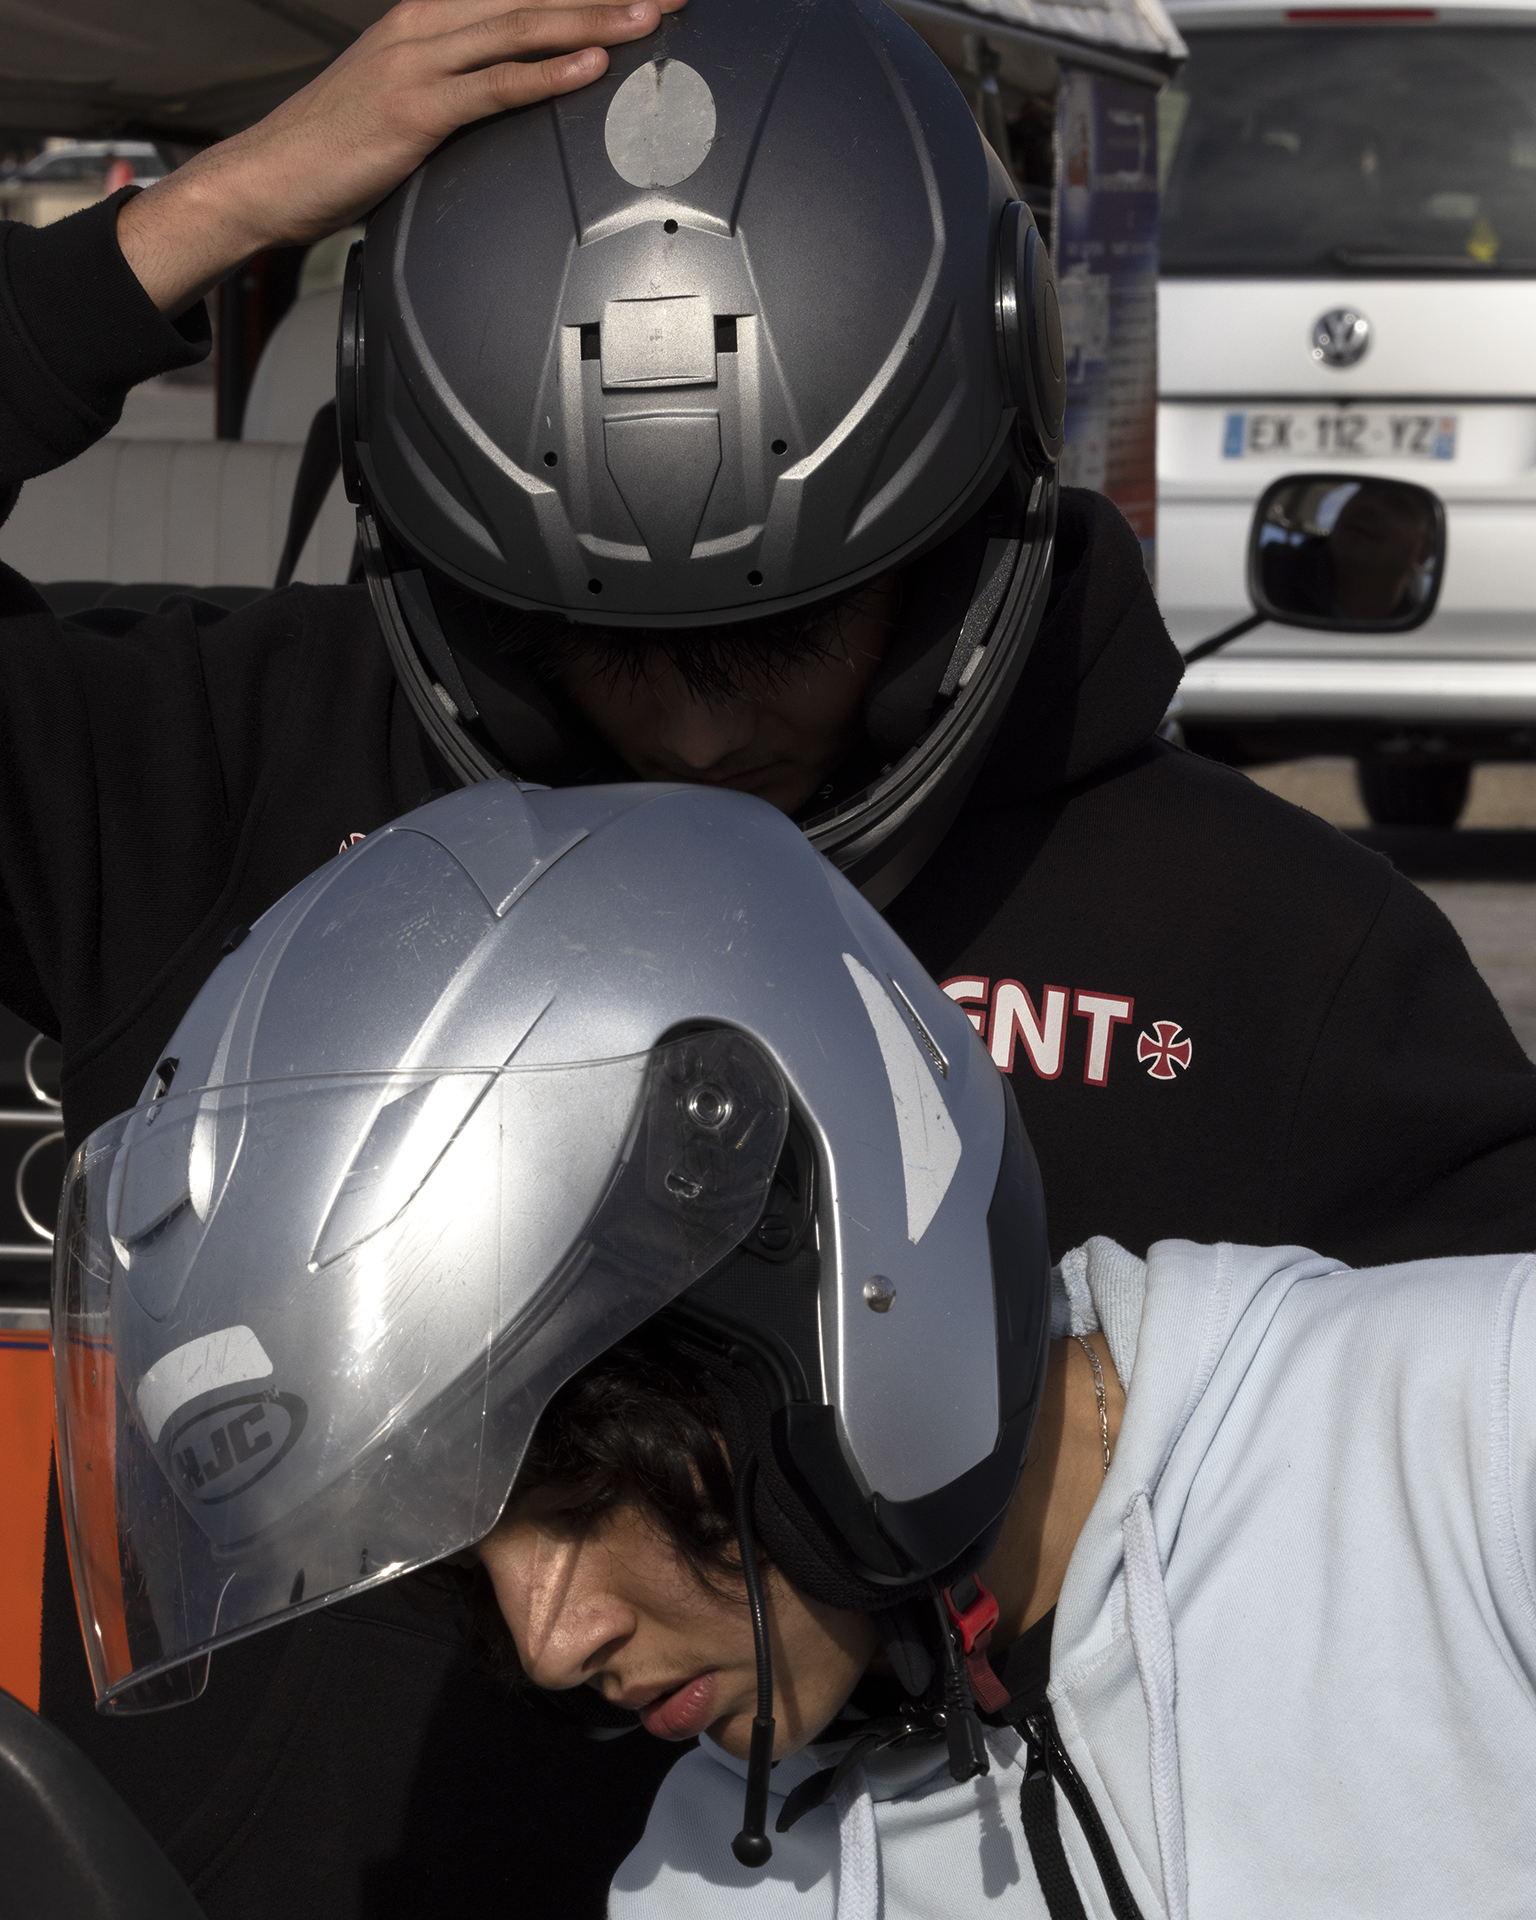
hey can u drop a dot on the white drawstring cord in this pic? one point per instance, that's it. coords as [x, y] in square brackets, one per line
[1151, 1628]
[858, 1867]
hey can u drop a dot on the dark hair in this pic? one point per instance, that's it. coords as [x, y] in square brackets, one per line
[635, 1428]
[714, 662]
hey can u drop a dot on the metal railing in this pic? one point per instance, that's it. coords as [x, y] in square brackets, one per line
[44, 1119]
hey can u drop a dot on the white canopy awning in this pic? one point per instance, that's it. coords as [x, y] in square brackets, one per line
[1132, 38]
[190, 69]
[176, 69]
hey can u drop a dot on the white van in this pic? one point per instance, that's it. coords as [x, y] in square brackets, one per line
[1348, 280]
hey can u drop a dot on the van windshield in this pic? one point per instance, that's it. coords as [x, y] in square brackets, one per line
[1335, 150]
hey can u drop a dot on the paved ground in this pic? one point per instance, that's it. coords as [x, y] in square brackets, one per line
[1483, 875]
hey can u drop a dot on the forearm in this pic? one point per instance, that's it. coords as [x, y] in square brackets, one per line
[76, 332]
[178, 242]
[336, 148]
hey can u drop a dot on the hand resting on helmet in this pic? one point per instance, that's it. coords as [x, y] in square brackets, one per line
[338, 146]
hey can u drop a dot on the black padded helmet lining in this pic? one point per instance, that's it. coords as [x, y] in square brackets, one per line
[936, 593]
[796, 1538]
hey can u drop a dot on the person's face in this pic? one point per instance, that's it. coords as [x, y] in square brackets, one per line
[781, 737]
[616, 1610]
[1380, 541]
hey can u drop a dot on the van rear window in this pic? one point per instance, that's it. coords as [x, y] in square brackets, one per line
[1337, 150]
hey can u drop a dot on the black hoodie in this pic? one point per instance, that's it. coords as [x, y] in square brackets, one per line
[1222, 1020]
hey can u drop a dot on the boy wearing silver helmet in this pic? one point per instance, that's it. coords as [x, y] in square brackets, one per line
[706, 1304]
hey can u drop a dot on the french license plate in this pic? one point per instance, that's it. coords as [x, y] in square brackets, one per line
[1359, 433]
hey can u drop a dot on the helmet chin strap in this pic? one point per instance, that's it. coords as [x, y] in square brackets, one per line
[752, 1846]
[962, 1730]
[954, 1717]
[957, 1716]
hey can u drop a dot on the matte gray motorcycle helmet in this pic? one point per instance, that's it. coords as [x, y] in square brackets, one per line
[751, 320]
[484, 1094]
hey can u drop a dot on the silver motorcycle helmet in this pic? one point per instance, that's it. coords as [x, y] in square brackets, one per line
[494, 1088]
[750, 321]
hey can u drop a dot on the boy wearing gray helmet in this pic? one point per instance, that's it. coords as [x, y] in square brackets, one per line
[708, 1306]
[824, 326]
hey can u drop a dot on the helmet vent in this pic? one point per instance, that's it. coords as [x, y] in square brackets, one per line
[664, 466]
[935, 1052]
[930, 1145]
[670, 342]
[409, 1136]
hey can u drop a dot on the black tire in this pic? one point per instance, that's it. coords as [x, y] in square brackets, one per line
[1430, 793]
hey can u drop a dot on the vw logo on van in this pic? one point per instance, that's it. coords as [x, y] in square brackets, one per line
[1340, 337]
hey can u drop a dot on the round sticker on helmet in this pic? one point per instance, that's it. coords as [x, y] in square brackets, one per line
[661, 124]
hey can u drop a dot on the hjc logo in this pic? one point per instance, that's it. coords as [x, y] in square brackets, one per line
[225, 1449]
[1006, 1017]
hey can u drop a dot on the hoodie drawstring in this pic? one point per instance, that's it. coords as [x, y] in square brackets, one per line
[1151, 1627]
[858, 1874]
[1047, 1766]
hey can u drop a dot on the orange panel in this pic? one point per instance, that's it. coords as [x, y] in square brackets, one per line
[93, 1397]
[26, 1441]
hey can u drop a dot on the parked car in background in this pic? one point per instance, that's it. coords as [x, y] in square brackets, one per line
[1348, 277]
[72, 174]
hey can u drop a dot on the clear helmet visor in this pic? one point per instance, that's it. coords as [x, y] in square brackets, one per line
[304, 1329]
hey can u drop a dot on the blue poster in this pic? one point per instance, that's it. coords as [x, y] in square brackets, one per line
[1106, 266]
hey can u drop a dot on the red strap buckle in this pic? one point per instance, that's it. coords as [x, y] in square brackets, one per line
[976, 1618]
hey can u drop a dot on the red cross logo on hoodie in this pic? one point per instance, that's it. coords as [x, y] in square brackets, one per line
[1164, 1051]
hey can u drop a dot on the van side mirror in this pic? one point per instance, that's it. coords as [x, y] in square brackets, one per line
[1346, 554]
[1343, 553]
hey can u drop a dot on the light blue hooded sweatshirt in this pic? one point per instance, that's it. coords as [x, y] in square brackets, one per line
[1294, 1658]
